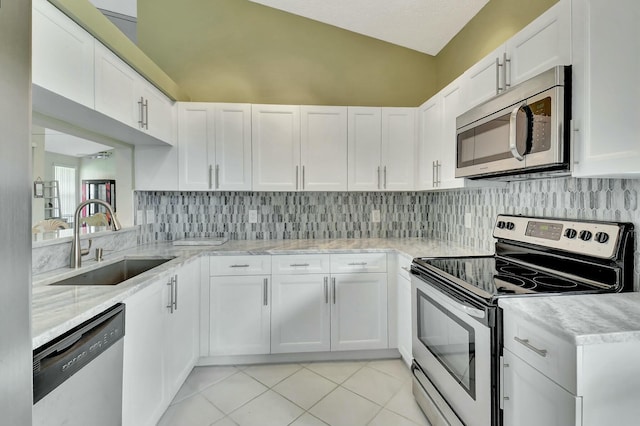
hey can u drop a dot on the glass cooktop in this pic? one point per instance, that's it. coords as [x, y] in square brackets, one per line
[497, 277]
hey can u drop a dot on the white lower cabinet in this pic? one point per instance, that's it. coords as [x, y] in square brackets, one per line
[240, 315]
[403, 300]
[532, 399]
[359, 311]
[160, 345]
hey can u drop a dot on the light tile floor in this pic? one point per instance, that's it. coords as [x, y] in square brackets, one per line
[375, 393]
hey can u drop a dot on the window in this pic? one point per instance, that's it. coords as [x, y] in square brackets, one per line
[66, 177]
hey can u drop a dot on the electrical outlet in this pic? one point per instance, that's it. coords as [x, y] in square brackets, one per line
[151, 217]
[140, 217]
[375, 216]
[253, 216]
[467, 220]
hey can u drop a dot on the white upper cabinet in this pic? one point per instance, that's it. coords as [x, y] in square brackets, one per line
[196, 146]
[276, 147]
[606, 66]
[122, 94]
[232, 168]
[323, 148]
[381, 148]
[429, 135]
[214, 145]
[544, 43]
[62, 54]
[365, 145]
[452, 106]
[398, 148]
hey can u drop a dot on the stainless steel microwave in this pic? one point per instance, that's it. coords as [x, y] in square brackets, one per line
[520, 134]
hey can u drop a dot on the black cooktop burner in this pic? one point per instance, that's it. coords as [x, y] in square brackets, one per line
[497, 276]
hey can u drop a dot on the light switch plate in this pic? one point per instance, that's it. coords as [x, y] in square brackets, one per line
[375, 216]
[253, 216]
[140, 217]
[151, 218]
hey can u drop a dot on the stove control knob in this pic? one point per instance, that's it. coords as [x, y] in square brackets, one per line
[585, 235]
[602, 237]
[570, 233]
[501, 224]
[511, 226]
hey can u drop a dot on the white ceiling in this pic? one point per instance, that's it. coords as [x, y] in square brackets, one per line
[422, 25]
[73, 146]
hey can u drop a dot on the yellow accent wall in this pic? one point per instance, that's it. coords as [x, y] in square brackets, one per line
[239, 51]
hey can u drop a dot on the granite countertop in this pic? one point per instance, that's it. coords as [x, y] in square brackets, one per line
[57, 309]
[582, 319]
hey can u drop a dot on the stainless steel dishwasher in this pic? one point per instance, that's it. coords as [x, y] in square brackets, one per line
[77, 378]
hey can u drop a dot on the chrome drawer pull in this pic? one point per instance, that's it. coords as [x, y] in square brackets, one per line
[405, 268]
[526, 344]
[294, 265]
[357, 264]
[239, 266]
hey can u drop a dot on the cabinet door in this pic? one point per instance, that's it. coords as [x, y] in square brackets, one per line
[159, 114]
[181, 342]
[62, 54]
[398, 148]
[365, 144]
[532, 399]
[143, 393]
[232, 169]
[116, 88]
[544, 43]
[605, 90]
[452, 106]
[275, 142]
[430, 130]
[324, 148]
[404, 319]
[359, 311]
[240, 315]
[156, 168]
[300, 314]
[485, 79]
[196, 146]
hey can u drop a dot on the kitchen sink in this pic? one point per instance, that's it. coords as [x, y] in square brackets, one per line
[114, 273]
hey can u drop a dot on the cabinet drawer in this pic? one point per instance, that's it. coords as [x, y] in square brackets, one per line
[239, 265]
[549, 354]
[404, 266]
[301, 264]
[359, 262]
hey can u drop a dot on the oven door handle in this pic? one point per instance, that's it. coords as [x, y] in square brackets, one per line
[454, 303]
[476, 313]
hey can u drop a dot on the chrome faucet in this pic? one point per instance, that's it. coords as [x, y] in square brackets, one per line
[75, 260]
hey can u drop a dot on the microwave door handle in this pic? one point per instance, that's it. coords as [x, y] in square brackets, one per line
[513, 137]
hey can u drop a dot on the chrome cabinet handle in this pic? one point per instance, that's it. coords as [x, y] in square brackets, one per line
[175, 292]
[378, 177]
[405, 268]
[357, 264]
[146, 114]
[210, 176]
[498, 66]
[266, 292]
[303, 178]
[506, 61]
[326, 290]
[333, 288]
[141, 112]
[171, 285]
[217, 180]
[239, 266]
[297, 178]
[294, 265]
[439, 172]
[385, 177]
[526, 344]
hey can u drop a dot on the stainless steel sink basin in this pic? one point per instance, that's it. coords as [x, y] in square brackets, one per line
[114, 273]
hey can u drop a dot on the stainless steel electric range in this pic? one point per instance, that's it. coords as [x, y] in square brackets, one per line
[456, 322]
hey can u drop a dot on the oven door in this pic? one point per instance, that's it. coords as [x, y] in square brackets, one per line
[452, 347]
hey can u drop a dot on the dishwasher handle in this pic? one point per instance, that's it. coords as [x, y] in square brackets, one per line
[58, 360]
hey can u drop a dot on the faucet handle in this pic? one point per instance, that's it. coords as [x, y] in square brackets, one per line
[84, 252]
